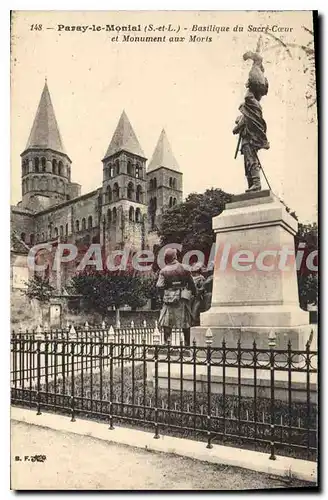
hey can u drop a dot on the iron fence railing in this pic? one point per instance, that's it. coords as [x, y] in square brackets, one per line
[251, 397]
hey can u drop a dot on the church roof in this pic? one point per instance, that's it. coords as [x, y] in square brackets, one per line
[45, 132]
[163, 155]
[124, 139]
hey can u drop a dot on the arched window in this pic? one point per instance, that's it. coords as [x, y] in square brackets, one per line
[111, 171]
[43, 184]
[42, 237]
[54, 166]
[174, 201]
[109, 216]
[90, 222]
[130, 191]
[61, 230]
[170, 202]
[155, 182]
[22, 237]
[170, 181]
[138, 215]
[114, 214]
[36, 164]
[117, 167]
[32, 239]
[138, 171]
[43, 164]
[130, 168]
[116, 192]
[131, 214]
[151, 184]
[56, 232]
[84, 224]
[174, 183]
[60, 168]
[139, 194]
[66, 229]
[109, 194]
[77, 226]
[106, 172]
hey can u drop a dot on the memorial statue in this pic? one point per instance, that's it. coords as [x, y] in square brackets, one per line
[250, 125]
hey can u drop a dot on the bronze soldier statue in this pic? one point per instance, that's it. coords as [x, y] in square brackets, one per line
[250, 125]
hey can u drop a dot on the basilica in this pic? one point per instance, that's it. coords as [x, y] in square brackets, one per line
[125, 209]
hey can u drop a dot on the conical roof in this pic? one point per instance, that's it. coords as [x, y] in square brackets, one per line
[45, 132]
[163, 155]
[124, 139]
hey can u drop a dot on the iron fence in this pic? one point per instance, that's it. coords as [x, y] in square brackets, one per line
[259, 398]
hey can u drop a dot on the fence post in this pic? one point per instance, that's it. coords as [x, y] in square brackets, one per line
[156, 335]
[72, 380]
[111, 340]
[38, 338]
[156, 341]
[209, 341]
[272, 344]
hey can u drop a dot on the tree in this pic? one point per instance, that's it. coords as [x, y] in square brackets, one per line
[307, 278]
[103, 289]
[305, 53]
[40, 289]
[190, 223]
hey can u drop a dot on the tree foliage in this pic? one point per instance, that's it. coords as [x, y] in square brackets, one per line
[39, 288]
[103, 289]
[190, 223]
[307, 278]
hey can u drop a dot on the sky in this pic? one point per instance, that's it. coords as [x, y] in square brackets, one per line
[193, 90]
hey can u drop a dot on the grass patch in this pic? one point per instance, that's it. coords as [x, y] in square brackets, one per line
[234, 421]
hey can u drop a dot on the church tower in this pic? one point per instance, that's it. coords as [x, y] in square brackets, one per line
[46, 167]
[164, 181]
[124, 201]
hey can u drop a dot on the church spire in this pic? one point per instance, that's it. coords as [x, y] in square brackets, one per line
[45, 132]
[163, 155]
[124, 139]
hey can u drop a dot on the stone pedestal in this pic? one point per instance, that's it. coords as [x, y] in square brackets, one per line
[255, 282]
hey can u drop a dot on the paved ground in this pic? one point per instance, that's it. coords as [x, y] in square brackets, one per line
[76, 462]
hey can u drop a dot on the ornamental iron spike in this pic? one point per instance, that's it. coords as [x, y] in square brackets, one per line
[209, 336]
[72, 331]
[272, 338]
[156, 335]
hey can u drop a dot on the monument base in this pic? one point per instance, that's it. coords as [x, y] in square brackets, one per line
[255, 282]
[298, 336]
